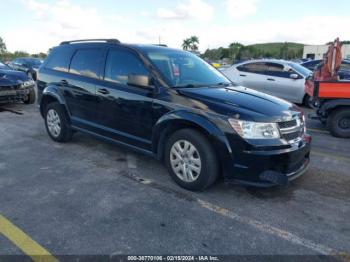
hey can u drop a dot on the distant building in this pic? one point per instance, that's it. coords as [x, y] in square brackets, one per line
[317, 51]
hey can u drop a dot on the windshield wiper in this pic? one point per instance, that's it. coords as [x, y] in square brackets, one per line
[222, 84]
[188, 86]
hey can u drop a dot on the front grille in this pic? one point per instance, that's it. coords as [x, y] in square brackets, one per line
[13, 87]
[292, 130]
[291, 136]
[287, 124]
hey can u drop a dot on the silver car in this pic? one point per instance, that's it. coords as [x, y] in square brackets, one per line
[280, 78]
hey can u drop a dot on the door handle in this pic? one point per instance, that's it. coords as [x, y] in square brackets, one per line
[103, 91]
[243, 75]
[271, 79]
[64, 82]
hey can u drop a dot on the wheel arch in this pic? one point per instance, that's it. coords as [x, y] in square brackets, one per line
[49, 95]
[333, 104]
[174, 121]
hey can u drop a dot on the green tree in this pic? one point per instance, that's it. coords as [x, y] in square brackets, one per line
[20, 54]
[3, 48]
[186, 45]
[191, 43]
[234, 49]
[284, 51]
[194, 43]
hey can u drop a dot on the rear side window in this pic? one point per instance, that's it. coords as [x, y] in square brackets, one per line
[257, 68]
[59, 60]
[86, 62]
[120, 64]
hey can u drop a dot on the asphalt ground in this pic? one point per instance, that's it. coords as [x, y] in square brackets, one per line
[89, 197]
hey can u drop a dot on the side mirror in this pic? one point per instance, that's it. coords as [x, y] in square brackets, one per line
[139, 81]
[294, 76]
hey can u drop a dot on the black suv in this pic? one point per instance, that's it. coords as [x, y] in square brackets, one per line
[172, 105]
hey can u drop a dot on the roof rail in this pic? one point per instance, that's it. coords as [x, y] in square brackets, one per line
[112, 41]
[161, 45]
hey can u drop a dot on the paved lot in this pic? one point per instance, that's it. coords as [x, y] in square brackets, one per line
[90, 197]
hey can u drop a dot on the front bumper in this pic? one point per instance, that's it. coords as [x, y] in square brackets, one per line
[16, 95]
[265, 168]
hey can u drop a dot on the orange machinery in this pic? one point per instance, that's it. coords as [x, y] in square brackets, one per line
[331, 97]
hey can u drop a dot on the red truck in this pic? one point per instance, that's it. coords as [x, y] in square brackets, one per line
[331, 97]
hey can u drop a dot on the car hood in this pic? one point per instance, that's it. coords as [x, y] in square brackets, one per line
[11, 77]
[243, 103]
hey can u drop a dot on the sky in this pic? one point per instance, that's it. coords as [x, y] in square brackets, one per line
[37, 25]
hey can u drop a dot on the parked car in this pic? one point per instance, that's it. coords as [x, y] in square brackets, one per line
[279, 78]
[15, 86]
[344, 71]
[27, 65]
[172, 105]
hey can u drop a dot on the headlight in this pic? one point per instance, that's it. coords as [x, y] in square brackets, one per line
[28, 83]
[255, 130]
[304, 122]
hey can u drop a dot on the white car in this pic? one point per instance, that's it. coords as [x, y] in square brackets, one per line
[280, 78]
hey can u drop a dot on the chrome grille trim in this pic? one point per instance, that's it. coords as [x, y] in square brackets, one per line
[292, 134]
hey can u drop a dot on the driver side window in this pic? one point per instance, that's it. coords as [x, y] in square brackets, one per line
[278, 70]
[120, 64]
[256, 68]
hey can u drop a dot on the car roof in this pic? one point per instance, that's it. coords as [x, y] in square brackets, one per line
[139, 47]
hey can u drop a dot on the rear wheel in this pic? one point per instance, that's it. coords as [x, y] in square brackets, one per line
[338, 123]
[191, 160]
[57, 124]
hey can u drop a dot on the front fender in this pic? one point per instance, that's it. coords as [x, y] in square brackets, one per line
[175, 120]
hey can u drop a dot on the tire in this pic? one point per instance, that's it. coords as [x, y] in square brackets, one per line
[308, 101]
[202, 164]
[338, 122]
[55, 112]
[31, 97]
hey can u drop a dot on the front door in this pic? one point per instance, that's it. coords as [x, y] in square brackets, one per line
[124, 111]
[282, 85]
[252, 75]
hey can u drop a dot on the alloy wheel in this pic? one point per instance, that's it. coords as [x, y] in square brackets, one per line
[53, 123]
[185, 161]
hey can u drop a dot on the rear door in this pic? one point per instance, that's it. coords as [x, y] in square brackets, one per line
[80, 85]
[252, 75]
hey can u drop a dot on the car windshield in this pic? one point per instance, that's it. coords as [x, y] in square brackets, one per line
[300, 69]
[183, 69]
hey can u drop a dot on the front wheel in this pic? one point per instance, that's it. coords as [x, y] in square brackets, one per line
[56, 122]
[308, 101]
[31, 97]
[338, 123]
[191, 160]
